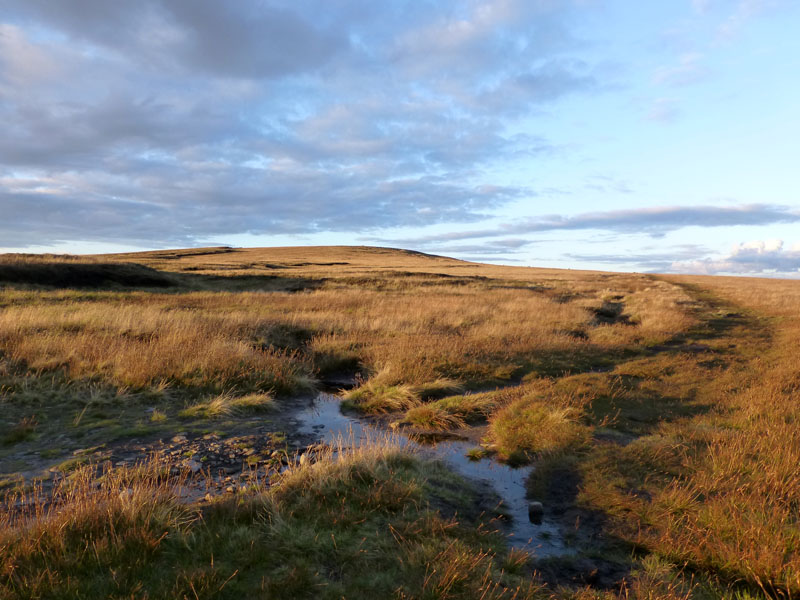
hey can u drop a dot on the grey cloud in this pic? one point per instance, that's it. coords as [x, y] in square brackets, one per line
[649, 262]
[171, 121]
[189, 208]
[653, 221]
[493, 247]
[546, 83]
[231, 40]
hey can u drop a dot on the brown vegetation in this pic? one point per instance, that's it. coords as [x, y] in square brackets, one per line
[660, 410]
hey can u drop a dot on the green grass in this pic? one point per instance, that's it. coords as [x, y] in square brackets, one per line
[528, 428]
[226, 405]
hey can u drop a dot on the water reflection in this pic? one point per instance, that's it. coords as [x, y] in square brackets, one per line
[529, 529]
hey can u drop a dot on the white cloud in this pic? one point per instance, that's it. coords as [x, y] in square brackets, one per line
[748, 258]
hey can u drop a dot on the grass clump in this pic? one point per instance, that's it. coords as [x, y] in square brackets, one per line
[226, 405]
[472, 408]
[378, 398]
[527, 428]
[454, 412]
[430, 416]
[22, 431]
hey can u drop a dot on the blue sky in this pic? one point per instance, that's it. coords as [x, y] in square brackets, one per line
[634, 136]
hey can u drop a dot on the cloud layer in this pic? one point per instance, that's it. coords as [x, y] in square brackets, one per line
[654, 221]
[160, 122]
[757, 257]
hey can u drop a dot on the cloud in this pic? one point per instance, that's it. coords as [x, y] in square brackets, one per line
[648, 262]
[756, 257]
[160, 122]
[655, 221]
[233, 41]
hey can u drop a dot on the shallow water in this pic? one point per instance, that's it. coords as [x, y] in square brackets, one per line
[326, 420]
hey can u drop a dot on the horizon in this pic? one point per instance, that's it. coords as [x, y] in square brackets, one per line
[772, 276]
[576, 135]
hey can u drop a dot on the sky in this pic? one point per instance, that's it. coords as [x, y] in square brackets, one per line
[585, 134]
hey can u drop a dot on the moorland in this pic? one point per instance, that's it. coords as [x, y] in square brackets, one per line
[150, 445]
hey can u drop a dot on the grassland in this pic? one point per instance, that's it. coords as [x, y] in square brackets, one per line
[660, 414]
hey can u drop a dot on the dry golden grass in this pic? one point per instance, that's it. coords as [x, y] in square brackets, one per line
[675, 397]
[469, 328]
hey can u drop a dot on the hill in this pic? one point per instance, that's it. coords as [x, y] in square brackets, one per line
[159, 408]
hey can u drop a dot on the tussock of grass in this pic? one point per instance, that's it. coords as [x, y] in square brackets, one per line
[528, 428]
[473, 407]
[377, 398]
[430, 416]
[454, 412]
[226, 405]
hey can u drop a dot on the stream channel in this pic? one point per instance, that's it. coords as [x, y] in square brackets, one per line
[325, 419]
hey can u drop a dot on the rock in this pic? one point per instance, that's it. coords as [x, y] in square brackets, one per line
[194, 466]
[126, 494]
[181, 437]
[535, 512]
[303, 460]
[230, 489]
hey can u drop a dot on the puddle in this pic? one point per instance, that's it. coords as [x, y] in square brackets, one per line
[325, 420]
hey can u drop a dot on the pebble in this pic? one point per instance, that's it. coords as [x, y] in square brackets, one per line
[535, 512]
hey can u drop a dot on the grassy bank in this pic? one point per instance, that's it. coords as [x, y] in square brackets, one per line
[359, 525]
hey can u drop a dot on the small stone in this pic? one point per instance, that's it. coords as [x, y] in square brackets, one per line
[230, 489]
[194, 466]
[181, 437]
[535, 512]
